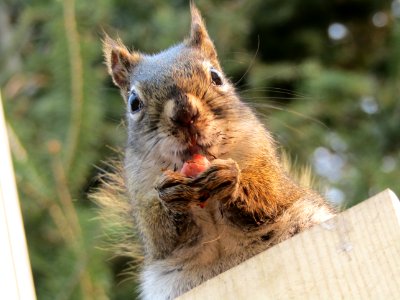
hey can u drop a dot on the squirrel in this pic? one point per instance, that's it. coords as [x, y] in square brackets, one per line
[180, 103]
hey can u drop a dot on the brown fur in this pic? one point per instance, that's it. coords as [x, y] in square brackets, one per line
[250, 203]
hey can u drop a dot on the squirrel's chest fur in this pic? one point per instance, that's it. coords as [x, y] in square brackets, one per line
[215, 247]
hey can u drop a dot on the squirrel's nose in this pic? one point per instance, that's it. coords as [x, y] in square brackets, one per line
[185, 113]
[185, 117]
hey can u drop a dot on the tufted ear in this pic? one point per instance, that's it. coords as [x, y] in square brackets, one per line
[120, 62]
[199, 37]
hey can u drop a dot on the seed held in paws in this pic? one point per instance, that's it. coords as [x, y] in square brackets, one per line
[195, 166]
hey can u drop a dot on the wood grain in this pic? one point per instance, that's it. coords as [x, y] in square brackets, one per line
[355, 255]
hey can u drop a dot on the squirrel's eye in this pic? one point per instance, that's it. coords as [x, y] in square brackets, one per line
[135, 103]
[215, 77]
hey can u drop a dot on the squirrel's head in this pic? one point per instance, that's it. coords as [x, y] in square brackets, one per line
[178, 101]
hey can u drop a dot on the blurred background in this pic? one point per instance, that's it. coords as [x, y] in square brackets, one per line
[324, 76]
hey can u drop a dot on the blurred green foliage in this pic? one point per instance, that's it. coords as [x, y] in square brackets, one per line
[324, 76]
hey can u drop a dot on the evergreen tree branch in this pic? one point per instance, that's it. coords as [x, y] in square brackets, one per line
[76, 75]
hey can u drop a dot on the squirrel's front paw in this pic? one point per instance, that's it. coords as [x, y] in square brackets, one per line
[174, 191]
[220, 181]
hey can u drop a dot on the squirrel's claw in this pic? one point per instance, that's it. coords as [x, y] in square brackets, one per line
[220, 180]
[170, 178]
[173, 190]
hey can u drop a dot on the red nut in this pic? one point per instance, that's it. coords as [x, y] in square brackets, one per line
[195, 166]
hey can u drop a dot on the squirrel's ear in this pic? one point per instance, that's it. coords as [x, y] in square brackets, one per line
[198, 35]
[120, 62]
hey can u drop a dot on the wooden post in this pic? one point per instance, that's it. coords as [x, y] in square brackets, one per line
[355, 255]
[15, 273]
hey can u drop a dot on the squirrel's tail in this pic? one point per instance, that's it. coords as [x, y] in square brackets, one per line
[115, 212]
[302, 174]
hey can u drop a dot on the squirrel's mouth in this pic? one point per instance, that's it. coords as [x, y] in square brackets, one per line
[195, 147]
[193, 141]
[189, 147]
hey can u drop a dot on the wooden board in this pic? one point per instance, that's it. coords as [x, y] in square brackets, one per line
[15, 272]
[355, 255]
